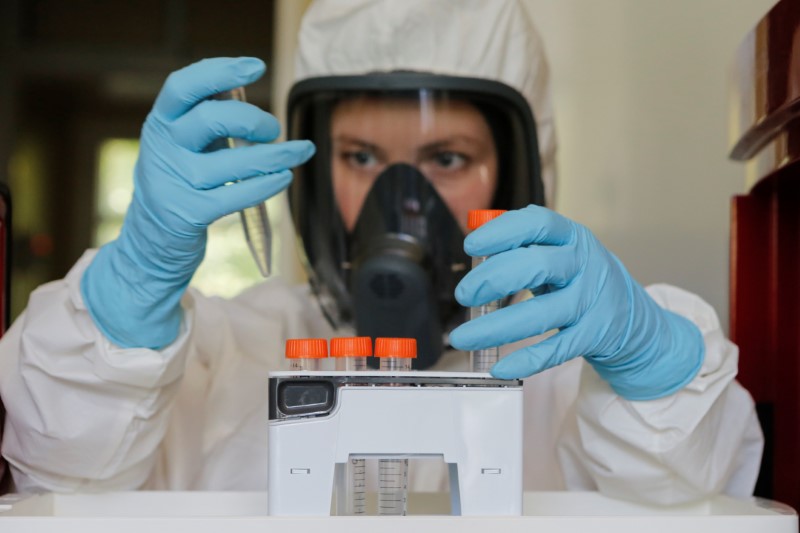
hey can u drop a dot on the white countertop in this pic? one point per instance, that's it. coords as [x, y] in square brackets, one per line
[234, 512]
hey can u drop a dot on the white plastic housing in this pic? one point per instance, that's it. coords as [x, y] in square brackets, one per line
[476, 430]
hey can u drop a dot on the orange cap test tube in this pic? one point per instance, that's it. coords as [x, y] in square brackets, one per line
[395, 353]
[351, 352]
[305, 354]
[483, 360]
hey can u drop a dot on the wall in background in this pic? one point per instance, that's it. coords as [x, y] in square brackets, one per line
[641, 106]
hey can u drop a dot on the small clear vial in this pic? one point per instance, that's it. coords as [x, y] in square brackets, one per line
[483, 360]
[306, 354]
[396, 355]
[351, 355]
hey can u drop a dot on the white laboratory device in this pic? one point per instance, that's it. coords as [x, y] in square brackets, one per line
[320, 419]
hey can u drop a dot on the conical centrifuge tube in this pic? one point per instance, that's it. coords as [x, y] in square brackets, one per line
[255, 220]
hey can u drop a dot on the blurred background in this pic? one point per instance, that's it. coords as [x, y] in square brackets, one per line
[640, 93]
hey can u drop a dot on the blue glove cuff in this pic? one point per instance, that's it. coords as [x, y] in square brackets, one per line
[134, 299]
[653, 366]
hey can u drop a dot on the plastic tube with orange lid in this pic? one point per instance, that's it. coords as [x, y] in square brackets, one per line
[482, 360]
[351, 355]
[305, 354]
[396, 354]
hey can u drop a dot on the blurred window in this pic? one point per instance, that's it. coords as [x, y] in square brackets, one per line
[228, 267]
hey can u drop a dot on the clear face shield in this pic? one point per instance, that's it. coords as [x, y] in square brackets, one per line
[382, 208]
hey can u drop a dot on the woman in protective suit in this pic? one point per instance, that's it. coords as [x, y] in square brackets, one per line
[118, 377]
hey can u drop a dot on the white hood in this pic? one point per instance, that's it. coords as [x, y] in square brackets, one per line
[490, 39]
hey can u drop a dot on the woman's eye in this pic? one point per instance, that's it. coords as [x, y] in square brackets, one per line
[361, 158]
[449, 160]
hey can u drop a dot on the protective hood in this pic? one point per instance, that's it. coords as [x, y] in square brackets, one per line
[447, 90]
[484, 39]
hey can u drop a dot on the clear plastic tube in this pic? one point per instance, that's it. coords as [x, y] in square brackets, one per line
[483, 360]
[356, 470]
[258, 234]
[351, 364]
[399, 364]
[306, 354]
[255, 220]
[393, 473]
[351, 355]
[304, 363]
[356, 499]
[392, 487]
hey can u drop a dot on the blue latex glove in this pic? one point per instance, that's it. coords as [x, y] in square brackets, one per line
[134, 284]
[642, 350]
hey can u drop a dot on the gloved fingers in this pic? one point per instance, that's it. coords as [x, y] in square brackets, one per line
[553, 351]
[191, 85]
[519, 321]
[243, 194]
[224, 166]
[531, 225]
[214, 119]
[507, 273]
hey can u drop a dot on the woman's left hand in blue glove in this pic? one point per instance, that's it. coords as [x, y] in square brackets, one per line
[642, 350]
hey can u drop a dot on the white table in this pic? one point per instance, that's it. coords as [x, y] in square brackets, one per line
[240, 512]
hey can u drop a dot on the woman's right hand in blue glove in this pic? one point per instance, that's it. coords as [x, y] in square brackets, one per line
[134, 284]
[642, 350]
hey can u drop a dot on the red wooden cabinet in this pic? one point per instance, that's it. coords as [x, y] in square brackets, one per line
[765, 241]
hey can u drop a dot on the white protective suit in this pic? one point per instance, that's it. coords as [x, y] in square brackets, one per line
[84, 414]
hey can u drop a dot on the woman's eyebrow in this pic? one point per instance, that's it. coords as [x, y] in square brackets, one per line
[354, 140]
[356, 144]
[440, 144]
[444, 143]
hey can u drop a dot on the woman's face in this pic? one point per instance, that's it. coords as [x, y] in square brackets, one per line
[448, 141]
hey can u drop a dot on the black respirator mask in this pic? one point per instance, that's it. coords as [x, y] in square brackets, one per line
[408, 257]
[394, 272]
